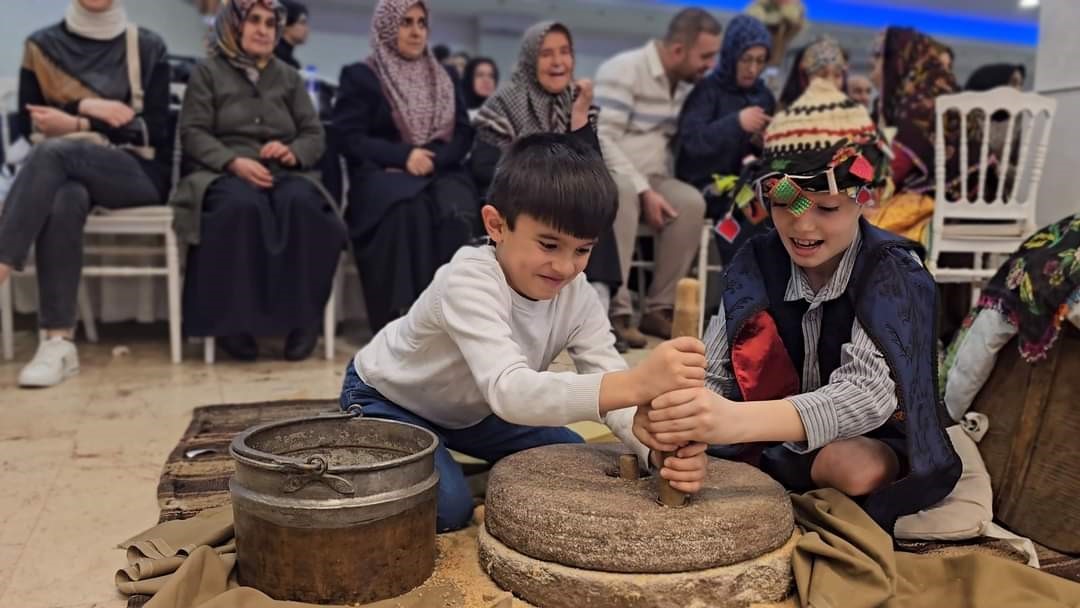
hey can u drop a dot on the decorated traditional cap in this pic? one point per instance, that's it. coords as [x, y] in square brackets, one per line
[825, 141]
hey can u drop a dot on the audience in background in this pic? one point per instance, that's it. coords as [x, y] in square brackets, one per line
[722, 121]
[265, 237]
[860, 89]
[404, 133]
[295, 33]
[101, 140]
[406, 130]
[480, 81]
[722, 125]
[640, 93]
[543, 97]
[821, 59]
[910, 76]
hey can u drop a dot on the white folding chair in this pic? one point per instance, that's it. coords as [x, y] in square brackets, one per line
[151, 220]
[988, 223]
[9, 89]
[641, 265]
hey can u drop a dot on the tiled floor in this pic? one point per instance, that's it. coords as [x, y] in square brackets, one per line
[79, 463]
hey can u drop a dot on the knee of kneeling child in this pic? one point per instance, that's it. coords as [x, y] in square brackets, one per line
[852, 471]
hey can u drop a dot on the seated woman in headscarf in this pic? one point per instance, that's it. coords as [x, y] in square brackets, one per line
[101, 142]
[821, 59]
[909, 73]
[480, 81]
[265, 237]
[404, 133]
[543, 97]
[721, 125]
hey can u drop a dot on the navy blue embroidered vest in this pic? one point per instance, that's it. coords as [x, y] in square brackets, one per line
[894, 298]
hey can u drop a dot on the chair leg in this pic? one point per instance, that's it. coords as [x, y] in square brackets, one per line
[7, 321]
[172, 265]
[208, 350]
[703, 274]
[330, 315]
[87, 314]
[640, 278]
[976, 284]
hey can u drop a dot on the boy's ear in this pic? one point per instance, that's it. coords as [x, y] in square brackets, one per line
[494, 223]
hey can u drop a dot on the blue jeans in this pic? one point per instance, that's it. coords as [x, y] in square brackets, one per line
[490, 439]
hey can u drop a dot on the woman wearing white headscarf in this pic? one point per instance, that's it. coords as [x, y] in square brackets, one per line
[100, 143]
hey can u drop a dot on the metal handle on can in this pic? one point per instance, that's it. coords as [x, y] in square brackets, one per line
[312, 470]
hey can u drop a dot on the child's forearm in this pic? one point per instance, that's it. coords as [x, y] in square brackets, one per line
[756, 421]
[619, 390]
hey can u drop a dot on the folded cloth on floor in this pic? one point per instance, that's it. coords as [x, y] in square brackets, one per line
[846, 560]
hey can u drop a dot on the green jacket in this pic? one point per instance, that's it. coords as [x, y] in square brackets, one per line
[224, 116]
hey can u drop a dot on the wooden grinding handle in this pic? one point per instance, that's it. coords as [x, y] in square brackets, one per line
[683, 323]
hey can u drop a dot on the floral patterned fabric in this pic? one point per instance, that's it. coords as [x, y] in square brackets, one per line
[1035, 287]
[913, 76]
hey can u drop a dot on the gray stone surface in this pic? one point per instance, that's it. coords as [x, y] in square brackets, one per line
[566, 504]
[765, 579]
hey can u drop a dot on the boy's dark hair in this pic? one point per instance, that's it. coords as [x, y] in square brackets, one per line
[558, 180]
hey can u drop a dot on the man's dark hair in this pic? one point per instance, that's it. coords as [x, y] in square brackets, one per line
[558, 180]
[441, 52]
[689, 23]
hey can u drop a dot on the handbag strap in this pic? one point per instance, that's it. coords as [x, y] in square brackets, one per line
[134, 65]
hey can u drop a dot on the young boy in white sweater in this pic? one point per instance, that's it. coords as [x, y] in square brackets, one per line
[469, 360]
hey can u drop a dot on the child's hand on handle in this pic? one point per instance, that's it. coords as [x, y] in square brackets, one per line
[691, 414]
[686, 469]
[673, 365]
[644, 435]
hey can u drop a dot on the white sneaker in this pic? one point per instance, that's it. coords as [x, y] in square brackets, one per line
[55, 360]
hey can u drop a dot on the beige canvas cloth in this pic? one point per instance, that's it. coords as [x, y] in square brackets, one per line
[846, 560]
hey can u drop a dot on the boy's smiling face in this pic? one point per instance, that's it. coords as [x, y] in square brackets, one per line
[537, 259]
[817, 239]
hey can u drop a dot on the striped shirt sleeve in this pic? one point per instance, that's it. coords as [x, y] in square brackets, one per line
[718, 376]
[615, 97]
[859, 397]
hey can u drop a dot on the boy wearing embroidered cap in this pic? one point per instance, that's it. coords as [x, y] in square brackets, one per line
[821, 364]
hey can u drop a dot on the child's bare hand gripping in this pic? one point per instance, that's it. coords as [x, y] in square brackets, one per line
[675, 364]
[691, 414]
[686, 469]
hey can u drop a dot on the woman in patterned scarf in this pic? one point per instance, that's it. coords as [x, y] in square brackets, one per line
[405, 133]
[910, 74]
[543, 97]
[265, 239]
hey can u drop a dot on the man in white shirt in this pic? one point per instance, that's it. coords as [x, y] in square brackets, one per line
[640, 93]
[469, 361]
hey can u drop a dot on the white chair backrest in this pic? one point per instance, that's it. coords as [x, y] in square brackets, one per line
[1034, 115]
[9, 100]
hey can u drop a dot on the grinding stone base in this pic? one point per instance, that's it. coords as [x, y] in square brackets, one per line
[549, 585]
